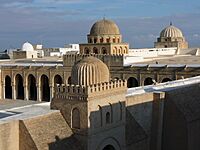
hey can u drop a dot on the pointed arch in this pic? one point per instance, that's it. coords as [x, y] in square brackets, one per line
[8, 87]
[19, 86]
[76, 118]
[32, 89]
[166, 80]
[132, 82]
[57, 79]
[45, 89]
[148, 81]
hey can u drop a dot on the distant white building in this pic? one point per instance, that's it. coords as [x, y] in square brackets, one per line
[27, 51]
[152, 52]
[39, 49]
[140, 55]
[71, 48]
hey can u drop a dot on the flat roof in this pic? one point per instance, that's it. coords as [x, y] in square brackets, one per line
[162, 87]
[177, 59]
[19, 109]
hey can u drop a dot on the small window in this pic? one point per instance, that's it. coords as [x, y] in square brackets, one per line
[104, 51]
[101, 40]
[108, 40]
[87, 51]
[107, 118]
[95, 40]
[75, 118]
[95, 50]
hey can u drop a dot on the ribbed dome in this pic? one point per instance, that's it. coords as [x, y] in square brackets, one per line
[89, 71]
[171, 31]
[27, 47]
[104, 27]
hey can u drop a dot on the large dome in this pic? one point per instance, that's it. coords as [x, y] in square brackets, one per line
[171, 31]
[104, 27]
[27, 47]
[89, 71]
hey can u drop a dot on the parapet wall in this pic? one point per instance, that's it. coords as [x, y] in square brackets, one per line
[107, 87]
[110, 60]
[76, 92]
[71, 92]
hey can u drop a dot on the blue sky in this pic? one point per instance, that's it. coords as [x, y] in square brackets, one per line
[57, 22]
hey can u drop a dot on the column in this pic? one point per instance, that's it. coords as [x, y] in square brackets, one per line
[13, 91]
[26, 94]
[3, 91]
[51, 92]
[38, 93]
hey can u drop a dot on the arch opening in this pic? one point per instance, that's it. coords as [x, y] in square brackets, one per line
[58, 80]
[75, 118]
[108, 118]
[87, 51]
[32, 89]
[69, 81]
[8, 88]
[132, 82]
[45, 89]
[166, 80]
[95, 50]
[104, 51]
[19, 87]
[108, 147]
[148, 81]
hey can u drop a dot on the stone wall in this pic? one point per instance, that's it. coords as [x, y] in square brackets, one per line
[140, 109]
[9, 136]
[45, 131]
[101, 130]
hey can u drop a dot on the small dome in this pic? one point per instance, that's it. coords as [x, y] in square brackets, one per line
[104, 27]
[27, 47]
[171, 31]
[89, 71]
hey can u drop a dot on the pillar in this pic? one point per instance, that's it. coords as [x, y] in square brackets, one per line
[3, 91]
[13, 91]
[51, 92]
[26, 94]
[38, 93]
[157, 121]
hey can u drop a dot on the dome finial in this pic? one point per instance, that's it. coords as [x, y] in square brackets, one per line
[170, 23]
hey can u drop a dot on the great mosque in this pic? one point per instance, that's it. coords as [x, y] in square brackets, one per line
[97, 102]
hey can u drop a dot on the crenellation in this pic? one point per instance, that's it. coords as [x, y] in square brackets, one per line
[107, 86]
[71, 92]
[79, 92]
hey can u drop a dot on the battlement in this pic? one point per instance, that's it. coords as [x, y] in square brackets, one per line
[107, 86]
[71, 92]
[76, 92]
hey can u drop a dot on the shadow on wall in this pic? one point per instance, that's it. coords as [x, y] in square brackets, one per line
[138, 125]
[69, 143]
[111, 126]
[8, 114]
